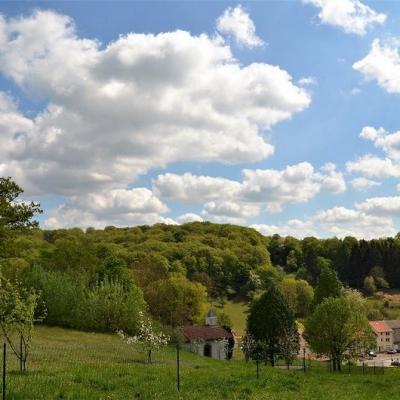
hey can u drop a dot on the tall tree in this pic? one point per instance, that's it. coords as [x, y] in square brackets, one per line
[271, 323]
[339, 328]
[328, 285]
[14, 214]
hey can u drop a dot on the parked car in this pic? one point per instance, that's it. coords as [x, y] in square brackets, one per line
[395, 363]
[391, 352]
[372, 354]
[398, 350]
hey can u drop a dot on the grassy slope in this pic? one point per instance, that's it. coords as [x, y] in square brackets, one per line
[237, 312]
[74, 365]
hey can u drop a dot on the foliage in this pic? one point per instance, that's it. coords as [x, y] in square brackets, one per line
[328, 285]
[14, 214]
[339, 328]
[176, 301]
[72, 301]
[147, 338]
[369, 286]
[271, 322]
[17, 316]
[299, 295]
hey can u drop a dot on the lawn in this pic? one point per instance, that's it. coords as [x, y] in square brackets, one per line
[74, 365]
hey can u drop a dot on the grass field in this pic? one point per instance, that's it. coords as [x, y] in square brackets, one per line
[75, 365]
[237, 312]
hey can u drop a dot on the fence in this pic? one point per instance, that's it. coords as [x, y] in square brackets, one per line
[83, 370]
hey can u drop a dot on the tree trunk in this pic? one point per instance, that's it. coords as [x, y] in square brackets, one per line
[272, 358]
[149, 356]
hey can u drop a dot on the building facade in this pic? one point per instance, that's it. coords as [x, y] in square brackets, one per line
[209, 340]
[394, 324]
[384, 335]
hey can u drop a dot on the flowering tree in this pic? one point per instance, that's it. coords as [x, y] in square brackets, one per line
[147, 338]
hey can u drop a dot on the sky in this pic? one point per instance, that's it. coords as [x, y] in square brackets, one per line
[280, 115]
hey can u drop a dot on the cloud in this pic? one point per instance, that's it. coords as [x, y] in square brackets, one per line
[362, 222]
[189, 217]
[236, 22]
[381, 206]
[351, 15]
[341, 222]
[294, 227]
[113, 110]
[117, 207]
[362, 183]
[307, 81]
[229, 211]
[382, 64]
[374, 166]
[193, 188]
[260, 189]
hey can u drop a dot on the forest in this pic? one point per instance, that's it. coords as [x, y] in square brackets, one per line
[93, 279]
[103, 279]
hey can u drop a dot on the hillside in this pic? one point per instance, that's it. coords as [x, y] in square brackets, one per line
[69, 365]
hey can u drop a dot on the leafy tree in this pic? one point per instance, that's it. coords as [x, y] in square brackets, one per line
[328, 285]
[147, 337]
[305, 296]
[15, 215]
[176, 301]
[17, 317]
[288, 287]
[369, 285]
[298, 293]
[111, 306]
[339, 328]
[378, 274]
[271, 322]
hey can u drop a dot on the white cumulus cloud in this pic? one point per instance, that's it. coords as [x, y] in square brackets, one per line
[117, 110]
[382, 64]
[236, 22]
[352, 16]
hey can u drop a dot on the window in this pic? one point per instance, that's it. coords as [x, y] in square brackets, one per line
[388, 340]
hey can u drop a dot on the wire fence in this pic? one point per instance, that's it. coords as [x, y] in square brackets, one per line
[85, 370]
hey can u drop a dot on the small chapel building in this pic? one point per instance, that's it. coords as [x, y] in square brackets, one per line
[209, 340]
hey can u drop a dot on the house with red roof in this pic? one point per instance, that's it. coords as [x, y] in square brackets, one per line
[384, 335]
[209, 340]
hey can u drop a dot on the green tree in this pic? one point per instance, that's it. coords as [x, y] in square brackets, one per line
[14, 214]
[339, 328]
[305, 297]
[369, 286]
[328, 285]
[176, 301]
[271, 322]
[17, 317]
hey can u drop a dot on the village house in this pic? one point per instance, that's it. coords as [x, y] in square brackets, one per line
[209, 340]
[384, 335]
[394, 324]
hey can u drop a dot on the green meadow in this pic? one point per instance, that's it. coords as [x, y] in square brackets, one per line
[67, 364]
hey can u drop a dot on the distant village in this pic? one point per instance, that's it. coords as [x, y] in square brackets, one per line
[215, 341]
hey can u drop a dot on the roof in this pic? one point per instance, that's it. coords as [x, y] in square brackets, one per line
[380, 326]
[205, 332]
[393, 323]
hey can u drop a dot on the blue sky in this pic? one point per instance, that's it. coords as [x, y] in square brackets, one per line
[282, 115]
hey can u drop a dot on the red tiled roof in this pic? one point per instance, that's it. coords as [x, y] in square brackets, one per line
[205, 332]
[380, 326]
